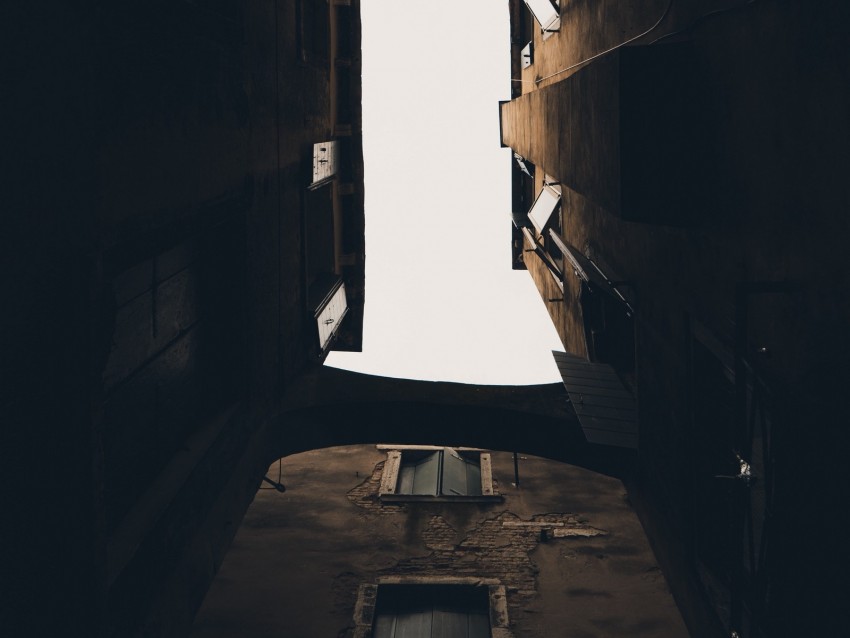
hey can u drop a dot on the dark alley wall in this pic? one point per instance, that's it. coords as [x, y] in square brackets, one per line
[155, 160]
[703, 165]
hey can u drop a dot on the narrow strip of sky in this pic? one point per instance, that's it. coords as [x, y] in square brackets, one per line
[442, 302]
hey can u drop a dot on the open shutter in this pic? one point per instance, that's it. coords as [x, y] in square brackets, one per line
[420, 477]
[324, 163]
[331, 315]
[461, 477]
[546, 13]
[545, 204]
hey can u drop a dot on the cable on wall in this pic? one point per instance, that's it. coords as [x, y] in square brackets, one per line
[614, 48]
[705, 16]
[638, 36]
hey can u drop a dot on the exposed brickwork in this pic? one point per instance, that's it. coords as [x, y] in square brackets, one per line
[365, 495]
[439, 535]
[497, 547]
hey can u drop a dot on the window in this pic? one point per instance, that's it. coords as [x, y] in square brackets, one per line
[527, 55]
[330, 314]
[436, 473]
[546, 13]
[545, 204]
[324, 163]
[432, 611]
[524, 165]
[443, 472]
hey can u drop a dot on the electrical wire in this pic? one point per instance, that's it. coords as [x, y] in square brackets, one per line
[606, 51]
[614, 48]
[641, 35]
[705, 16]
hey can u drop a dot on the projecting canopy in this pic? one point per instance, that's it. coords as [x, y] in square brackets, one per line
[606, 411]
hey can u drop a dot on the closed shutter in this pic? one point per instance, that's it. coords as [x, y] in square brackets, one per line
[432, 623]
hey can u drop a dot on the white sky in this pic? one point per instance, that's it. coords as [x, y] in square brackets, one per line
[442, 302]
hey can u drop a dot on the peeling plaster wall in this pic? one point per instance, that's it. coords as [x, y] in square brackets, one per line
[566, 546]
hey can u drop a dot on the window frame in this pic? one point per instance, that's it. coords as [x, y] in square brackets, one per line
[526, 55]
[553, 24]
[391, 475]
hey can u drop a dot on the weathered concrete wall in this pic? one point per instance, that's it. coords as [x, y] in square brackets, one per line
[566, 546]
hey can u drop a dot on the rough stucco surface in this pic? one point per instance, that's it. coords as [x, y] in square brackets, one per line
[566, 545]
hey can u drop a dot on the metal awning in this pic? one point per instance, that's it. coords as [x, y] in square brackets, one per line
[588, 271]
[606, 410]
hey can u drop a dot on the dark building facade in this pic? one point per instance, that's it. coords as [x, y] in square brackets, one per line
[676, 169]
[172, 262]
[183, 233]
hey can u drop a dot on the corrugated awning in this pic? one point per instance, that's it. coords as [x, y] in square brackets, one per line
[606, 410]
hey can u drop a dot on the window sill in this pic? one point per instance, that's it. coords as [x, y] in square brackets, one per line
[428, 498]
